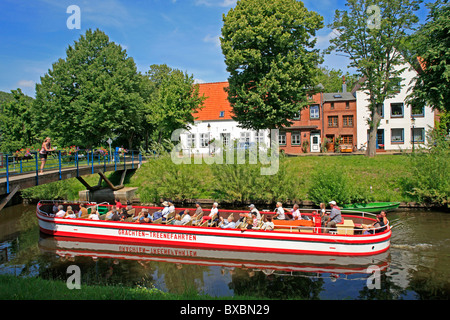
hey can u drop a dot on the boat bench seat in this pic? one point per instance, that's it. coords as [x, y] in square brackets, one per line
[346, 227]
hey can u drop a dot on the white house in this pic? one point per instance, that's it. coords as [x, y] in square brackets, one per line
[214, 123]
[400, 126]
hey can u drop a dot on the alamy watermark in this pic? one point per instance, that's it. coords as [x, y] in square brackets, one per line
[231, 154]
[374, 280]
[74, 20]
[374, 21]
[74, 280]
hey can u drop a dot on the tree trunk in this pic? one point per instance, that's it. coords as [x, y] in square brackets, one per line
[373, 128]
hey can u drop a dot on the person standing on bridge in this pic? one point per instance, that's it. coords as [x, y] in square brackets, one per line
[46, 148]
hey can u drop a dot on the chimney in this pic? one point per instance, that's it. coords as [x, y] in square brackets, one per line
[344, 85]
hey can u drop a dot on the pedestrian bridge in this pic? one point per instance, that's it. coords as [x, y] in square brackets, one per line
[21, 172]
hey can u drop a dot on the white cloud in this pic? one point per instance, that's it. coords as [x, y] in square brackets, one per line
[212, 39]
[216, 3]
[26, 83]
[324, 40]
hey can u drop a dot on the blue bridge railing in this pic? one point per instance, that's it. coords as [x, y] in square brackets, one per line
[12, 165]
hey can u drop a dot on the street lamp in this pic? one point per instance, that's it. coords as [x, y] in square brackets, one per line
[413, 121]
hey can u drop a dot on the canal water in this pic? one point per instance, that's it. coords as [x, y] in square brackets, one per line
[416, 267]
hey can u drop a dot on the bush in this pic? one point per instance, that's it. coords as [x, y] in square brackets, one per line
[329, 184]
[244, 182]
[161, 178]
[429, 181]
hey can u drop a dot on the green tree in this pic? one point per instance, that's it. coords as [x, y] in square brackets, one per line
[90, 95]
[268, 49]
[432, 43]
[332, 79]
[372, 34]
[172, 99]
[16, 122]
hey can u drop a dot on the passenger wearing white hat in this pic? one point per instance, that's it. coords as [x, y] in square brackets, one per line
[335, 217]
[256, 215]
[166, 210]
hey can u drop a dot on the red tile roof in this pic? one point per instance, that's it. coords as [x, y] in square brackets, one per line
[216, 102]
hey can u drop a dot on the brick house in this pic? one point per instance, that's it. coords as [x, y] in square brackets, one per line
[330, 118]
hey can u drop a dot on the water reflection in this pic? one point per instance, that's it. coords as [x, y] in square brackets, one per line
[177, 269]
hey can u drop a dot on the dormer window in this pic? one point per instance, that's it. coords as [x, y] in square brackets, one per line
[222, 114]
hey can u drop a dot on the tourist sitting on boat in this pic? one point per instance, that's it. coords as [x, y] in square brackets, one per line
[228, 223]
[295, 212]
[268, 225]
[335, 217]
[83, 214]
[182, 218]
[94, 215]
[214, 212]
[55, 208]
[162, 214]
[279, 212]
[61, 213]
[171, 206]
[255, 215]
[110, 213]
[378, 226]
[116, 216]
[124, 214]
[198, 209]
[143, 217]
[118, 204]
[70, 214]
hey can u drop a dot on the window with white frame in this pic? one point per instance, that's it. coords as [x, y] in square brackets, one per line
[245, 137]
[259, 136]
[204, 140]
[397, 135]
[225, 139]
[191, 140]
[314, 112]
[296, 138]
[282, 138]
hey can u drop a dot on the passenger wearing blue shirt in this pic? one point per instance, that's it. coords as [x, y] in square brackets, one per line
[228, 224]
[335, 217]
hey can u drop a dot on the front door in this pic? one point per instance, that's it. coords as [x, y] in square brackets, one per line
[315, 142]
[380, 139]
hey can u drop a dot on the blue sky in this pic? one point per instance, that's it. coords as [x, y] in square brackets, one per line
[183, 34]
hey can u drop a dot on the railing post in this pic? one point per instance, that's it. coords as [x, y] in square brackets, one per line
[21, 168]
[140, 159]
[7, 174]
[124, 162]
[60, 164]
[115, 161]
[37, 168]
[92, 162]
[132, 159]
[76, 160]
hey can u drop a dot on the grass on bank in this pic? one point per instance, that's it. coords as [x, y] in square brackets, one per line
[379, 178]
[16, 288]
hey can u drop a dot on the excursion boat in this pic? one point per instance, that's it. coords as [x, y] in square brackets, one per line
[288, 236]
[373, 207]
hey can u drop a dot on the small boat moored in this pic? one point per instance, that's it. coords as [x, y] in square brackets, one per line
[372, 207]
[292, 237]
